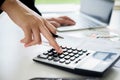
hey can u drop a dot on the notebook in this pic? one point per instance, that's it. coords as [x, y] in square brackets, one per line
[92, 14]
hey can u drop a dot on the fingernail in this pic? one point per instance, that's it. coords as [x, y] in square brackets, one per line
[73, 23]
[26, 45]
[21, 41]
[60, 51]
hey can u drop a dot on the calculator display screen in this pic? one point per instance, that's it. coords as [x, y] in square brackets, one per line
[103, 55]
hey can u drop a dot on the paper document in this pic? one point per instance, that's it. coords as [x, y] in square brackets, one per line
[90, 44]
[117, 64]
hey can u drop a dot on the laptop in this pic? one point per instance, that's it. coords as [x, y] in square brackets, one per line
[92, 14]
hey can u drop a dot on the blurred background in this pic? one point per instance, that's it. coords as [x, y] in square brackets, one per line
[57, 1]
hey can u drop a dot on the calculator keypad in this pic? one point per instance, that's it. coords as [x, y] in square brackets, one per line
[68, 56]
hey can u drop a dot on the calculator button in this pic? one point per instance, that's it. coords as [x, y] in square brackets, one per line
[67, 62]
[55, 55]
[62, 60]
[42, 56]
[74, 49]
[77, 55]
[70, 51]
[67, 57]
[80, 53]
[64, 50]
[61, 56]
[45, 53]
[84, 51]
[66, 53]
[50, 57]
[87, 54]
[63, 47]
[69, 48]
[75, 52]
[77, 61]
[56, 59]
[79, 50]
[51, 53]
[73, 58]
[52, 49]
[71, 54]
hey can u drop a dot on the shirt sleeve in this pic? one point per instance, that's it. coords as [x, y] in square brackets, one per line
[1, 2]
[28, 3]
[31, 5]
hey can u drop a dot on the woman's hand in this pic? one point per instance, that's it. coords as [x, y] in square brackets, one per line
[31, 23]
[61, 21]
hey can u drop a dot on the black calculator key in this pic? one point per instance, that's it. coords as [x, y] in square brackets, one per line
[51, 53]
[55, 55]
[80, 53]
[84, 51]
[77, 61]
[62, 60]
[50, 57]
[45, 53]
[87, 54]
[71, 54]
[56, 59]
[61, 56]
[69, 48]
[65, 53]
[52, 50]
[77, 55]
[63, 47]
[74, 49]
[79, 50]
[64, 50]
[70, 51]
[67, 62]
[73, 58]
[75, 52]
[42, 56]
[67, 57]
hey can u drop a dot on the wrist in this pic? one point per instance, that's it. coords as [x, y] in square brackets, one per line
[8, 4]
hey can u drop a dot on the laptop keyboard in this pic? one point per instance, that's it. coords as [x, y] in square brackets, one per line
[84, 22]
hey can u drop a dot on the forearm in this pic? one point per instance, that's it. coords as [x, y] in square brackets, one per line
[15, 10]
[7, 4]
[28, 3]
[10, 6]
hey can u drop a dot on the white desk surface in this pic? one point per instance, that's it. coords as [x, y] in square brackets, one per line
[16, 61]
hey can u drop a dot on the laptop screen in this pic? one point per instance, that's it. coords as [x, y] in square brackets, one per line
[99, 9]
